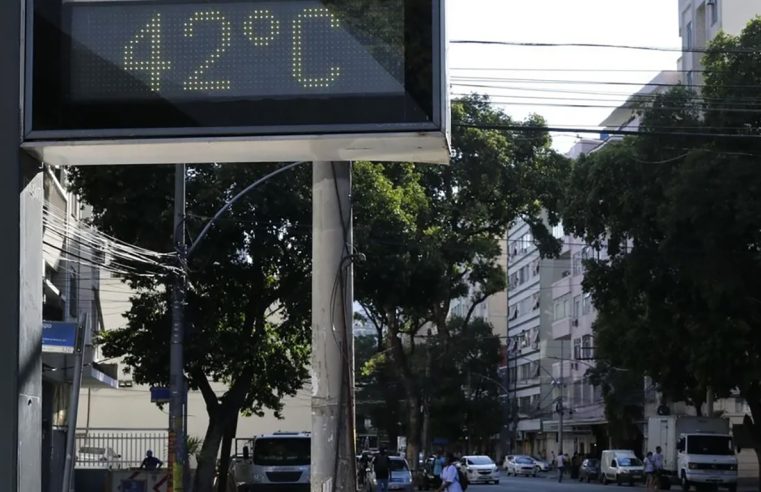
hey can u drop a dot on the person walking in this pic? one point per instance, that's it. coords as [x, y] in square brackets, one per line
[439, 462]
[658, 464]
[650, 471]
[381, 468]
[560, 461]
[450, 477]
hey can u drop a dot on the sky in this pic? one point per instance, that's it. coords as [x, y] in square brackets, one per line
[515, 69]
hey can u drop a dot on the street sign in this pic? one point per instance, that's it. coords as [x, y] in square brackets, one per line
[328, 76]
[59, 337]
[160, 394]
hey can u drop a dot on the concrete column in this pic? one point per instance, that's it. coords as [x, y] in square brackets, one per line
[21, 272]
[333, 466]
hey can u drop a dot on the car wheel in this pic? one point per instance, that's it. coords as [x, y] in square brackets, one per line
[496, 482]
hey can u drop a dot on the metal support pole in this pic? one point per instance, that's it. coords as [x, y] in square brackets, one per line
[71, 416]
[333, 465]
[561, 408]
[176, 364]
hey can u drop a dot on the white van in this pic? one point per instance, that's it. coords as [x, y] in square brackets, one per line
[272, 462]
[621, 466]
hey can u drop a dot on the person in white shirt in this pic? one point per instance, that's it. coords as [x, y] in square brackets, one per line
[450, 479]
[561, 465]
[658, 465]
[650, 471]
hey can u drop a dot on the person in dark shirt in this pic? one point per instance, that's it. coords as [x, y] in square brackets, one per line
[381, 469]
[150, 462]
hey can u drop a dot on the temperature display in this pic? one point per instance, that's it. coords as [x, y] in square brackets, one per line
[127, 50]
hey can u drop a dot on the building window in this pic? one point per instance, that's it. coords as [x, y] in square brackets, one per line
[535, 268]
[577, 266]
[535, 302]
[714, 4]
[562, 308]
[577, 307]
[577, 348]
[587, 348]
[586, 306]
[577, 396]
[73, 295]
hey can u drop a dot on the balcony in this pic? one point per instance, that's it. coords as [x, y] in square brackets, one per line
[561, 329]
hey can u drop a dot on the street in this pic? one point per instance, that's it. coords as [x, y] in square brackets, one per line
[546, 482]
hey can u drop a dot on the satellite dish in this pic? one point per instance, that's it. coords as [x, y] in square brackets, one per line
[663, 410]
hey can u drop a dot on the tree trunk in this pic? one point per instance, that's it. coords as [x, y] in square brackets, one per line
[207, 460]
[224, 459]
[413, 432]
[410, 388]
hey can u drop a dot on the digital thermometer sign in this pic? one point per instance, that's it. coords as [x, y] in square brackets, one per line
[137, 69]
[233, 50]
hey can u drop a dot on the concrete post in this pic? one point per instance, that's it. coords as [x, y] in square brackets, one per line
[333, 466]
[21, 272]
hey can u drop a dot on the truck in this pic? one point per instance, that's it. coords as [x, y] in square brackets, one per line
[697, 451]
[271, 462]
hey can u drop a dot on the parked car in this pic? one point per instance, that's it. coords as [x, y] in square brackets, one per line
[621, 466]
[98, 457]
[507, 460]
[589, 470]
[541, 465]
[480, 469]
[400, 477]
[521, 465]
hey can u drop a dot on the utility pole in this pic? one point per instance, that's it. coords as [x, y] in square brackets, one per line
[561, 408]
[333, 464]
[176, 363]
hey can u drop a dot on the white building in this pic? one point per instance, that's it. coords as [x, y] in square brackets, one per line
[531, 350]
[701, 20]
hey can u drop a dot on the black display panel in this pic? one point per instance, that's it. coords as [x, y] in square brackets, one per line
[234, 67]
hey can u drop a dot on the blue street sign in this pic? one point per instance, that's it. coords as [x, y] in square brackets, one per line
[160, 394]
[59, 337]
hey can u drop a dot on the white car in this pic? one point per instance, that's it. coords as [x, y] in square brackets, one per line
[97, 457]
[541, 465]
[480, 469]
[521, 465]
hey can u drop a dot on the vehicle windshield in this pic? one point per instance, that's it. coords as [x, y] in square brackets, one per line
[397, 465]
[591, 462]
[282, 451]
[721, 445]
[480, 460]
[524, 461]
[627, 461]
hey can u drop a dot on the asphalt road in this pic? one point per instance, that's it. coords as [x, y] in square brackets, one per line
[548, 483]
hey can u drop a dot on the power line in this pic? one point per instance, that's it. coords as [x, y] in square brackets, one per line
[602, 45]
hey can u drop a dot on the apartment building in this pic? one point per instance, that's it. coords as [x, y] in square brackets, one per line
[700, 21]
[531, 349]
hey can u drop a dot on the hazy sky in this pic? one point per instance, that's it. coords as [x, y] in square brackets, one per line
[633, 22]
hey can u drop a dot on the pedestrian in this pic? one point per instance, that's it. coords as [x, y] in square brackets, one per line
[450, 477]
[650, 471]
[364, 462]
[560, 461]
[575, 463]
[552, 460]
[658, 462]
[381, 469]
[150, 462]
[439, 462]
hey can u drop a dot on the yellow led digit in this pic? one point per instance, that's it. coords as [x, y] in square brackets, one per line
[298, 54]
[195, 81]
[249, 27]
[154, 65]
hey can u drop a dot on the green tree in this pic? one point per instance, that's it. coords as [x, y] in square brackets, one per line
[430, 234]
[248, 301]
[678, 209]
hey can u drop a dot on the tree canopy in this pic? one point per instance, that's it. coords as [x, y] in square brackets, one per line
[248, 304]
[677, 209]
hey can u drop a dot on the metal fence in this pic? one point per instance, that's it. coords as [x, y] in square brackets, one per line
[119, 448]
